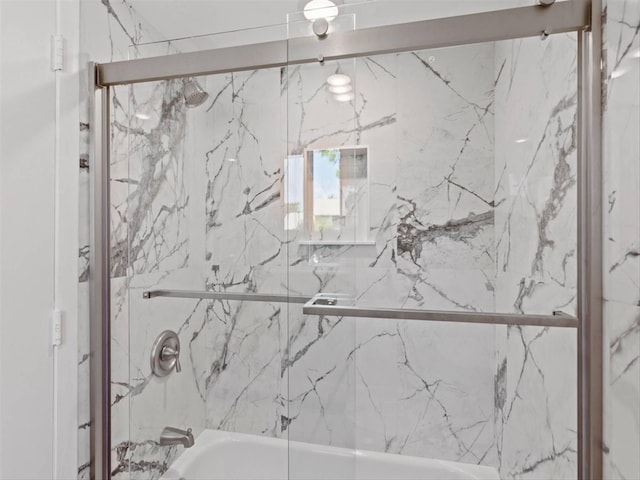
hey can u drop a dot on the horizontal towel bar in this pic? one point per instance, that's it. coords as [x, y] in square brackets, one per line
[334, 305]
[558, 319]
[247, 297]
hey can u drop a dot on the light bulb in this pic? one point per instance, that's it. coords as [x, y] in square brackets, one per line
[340, 89]
[345, 97]
[320, 9]
[338, 80]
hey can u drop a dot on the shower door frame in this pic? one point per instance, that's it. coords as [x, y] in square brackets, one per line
[581, 16]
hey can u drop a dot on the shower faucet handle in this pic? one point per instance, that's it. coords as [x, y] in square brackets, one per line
[167, 354]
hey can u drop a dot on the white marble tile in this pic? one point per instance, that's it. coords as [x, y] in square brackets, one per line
[622, 150]
[108, 29]
[244, 367]
[314, 118]
[121, 383]
[417, 393]
[622, 417]
[149, 234]
[379, 111]
[319, 370]
[535, 239]
[177, 400]
[153, 234]
[538, 420]
[621, 256]
[244, 159]
[445, 177]
[536, 109]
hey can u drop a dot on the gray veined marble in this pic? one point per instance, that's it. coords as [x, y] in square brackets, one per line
[108, 28]
[149, 195]
[536, 415]
[536, 155]
[243, 161]
[621, 124]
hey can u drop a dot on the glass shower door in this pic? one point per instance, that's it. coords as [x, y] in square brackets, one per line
[153, 245]
[327, 189]
[470, 207]
[435, 180]
[199, 213]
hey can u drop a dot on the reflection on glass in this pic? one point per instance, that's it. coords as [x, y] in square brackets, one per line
[326, 198]
[294, 192]
[327, 193]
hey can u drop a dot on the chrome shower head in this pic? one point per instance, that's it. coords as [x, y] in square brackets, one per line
[194, 94]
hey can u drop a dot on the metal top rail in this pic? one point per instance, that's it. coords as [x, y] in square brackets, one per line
[567, 16]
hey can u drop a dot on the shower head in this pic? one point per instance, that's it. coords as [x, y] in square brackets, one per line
[194, 94]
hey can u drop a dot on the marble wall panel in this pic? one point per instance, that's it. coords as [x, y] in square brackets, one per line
[418, 394]
[536, 109]
[377, 121]
[149, 223]
[242, 383]
[107, 30]
[244, 161]
[149, 227]
[621, 254]
[536, 403]
[177, 400]
[121, 382]
[535, 237]
[414, 393]
[445, 181]
[320, 375]
[443, 193]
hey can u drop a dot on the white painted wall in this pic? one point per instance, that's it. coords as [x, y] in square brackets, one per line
[30, 284]
[26, 254]
[66, 274]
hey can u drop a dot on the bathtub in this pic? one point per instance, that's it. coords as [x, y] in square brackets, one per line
[219, 455]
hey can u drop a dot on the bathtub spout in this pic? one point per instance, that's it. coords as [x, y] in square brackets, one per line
[175, 436]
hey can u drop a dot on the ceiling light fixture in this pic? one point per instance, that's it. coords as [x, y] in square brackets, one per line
[345, 97]
[316, 9]
[339, 85]
[338, 80]
[340, 89]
